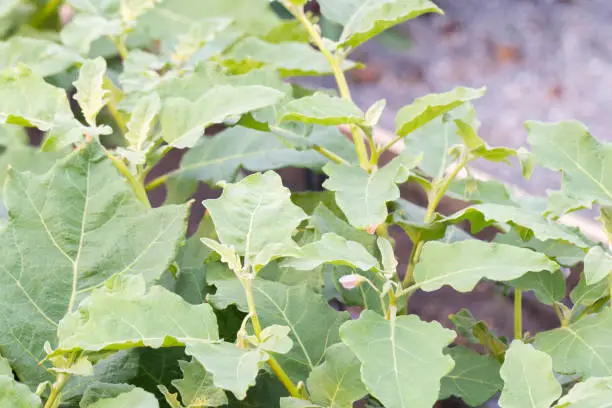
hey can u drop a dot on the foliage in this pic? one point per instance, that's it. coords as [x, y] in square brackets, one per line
[106, 303]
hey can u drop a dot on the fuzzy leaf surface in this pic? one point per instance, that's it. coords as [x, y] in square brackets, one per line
[91, 94]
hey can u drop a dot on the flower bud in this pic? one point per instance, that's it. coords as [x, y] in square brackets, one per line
[351, 281]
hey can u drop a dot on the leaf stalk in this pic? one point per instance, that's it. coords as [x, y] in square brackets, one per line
[518, 314]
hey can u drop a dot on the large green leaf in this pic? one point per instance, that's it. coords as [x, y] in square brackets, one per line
[364, 19]
[475, 378]
[84, 29]
[197, 388]
[586, 295]
[136, 398]
[256, 217]
[219, 158]
[529, 380]
[69, 230]
[404, 368]
[322, 109]
[183, 122]
[16, 395]
[44, 57]
[337, 382]
[528, 223]
[334, 249]
[548, 287]
[307, 314]
[592, 393]
[289, 58]
[582, 347]
[362, 196]
[569, 147]
[429, 107]
[115, 318]
[462, 264]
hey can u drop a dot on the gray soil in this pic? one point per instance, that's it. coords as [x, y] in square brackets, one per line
[547, 60]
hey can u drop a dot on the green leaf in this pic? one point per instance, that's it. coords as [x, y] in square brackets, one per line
[362, 196]
[333, 249]
[548, 287]
[91, 95]
[142, 121]
[80, 33]
[5, 367]
[136, 398]
[568, 147]
[478, 332]
[582, 347]
[233, 369]
[16, 395]
[528, 377]
[289, 402]
[429, 107]
[100, 390]
[289, 58]
[586, 295]
[337, 382]
[374, 112]
[115, 317]
[324, 221]
[27, 100]
[62, 217]
[475, 378]
[528, 223]
[462, 264]
[44, 58]
[479, 191]
[597, 265]
[220, 158]
[405, 367]
[197, 388]
[592, 393]
[254, 213]
[322, 109]
[364, 19]
[306, 313]
[183, 122]
[274, 339]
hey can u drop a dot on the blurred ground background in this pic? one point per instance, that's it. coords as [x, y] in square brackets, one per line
[548, 60]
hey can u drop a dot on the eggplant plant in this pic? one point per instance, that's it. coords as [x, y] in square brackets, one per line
[105, 301]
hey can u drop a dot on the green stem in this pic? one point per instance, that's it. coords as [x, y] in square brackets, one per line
[518, 314]
[60, 381]
[157, 182]
[41, 16]
[247, 283]
[336, 65]
[138, 188]
[330, 155]
[119, 43]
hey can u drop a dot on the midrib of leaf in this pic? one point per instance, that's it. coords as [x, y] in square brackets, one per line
[332, 398]
[247, 246]
[289, 323]
[354, 16]
[597, 355]
[395, 369]
[75, 264]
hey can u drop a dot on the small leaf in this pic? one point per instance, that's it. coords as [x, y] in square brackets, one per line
[183, 122]
[389, 262]
[305, 312]
[136, 398]
[289, 402]
[597, 265]
[582, 347]
[462, 264]
[252, 214]
[228, 254]
[405, 367]
[16, 395]
[586, 295]
[132, 9]
[337, 382]
[322, 109]
[528, 377]
[196, 387]
[333, 249]
[362, 196]
[374, 112]
[429, 107]
[274, 339]
[141, 122]
[592, 393]
[364, 19]
[478, 332]
[289, 58]
[91, 94]
[475, 378]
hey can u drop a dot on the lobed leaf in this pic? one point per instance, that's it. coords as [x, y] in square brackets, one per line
[462, 264]
[405, 367]
[91, 95]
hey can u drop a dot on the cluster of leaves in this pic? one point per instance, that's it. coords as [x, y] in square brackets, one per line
[106, 303]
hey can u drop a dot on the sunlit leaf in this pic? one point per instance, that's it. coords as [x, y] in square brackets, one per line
[136, 398]
[592, 393]
[43, 57]
[197, 388]
[91, 95]
[322, 109]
